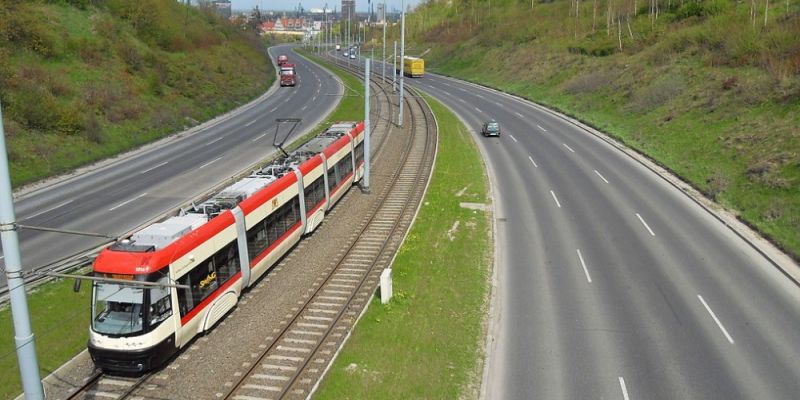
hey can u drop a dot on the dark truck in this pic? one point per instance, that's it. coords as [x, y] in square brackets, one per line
[288, 74]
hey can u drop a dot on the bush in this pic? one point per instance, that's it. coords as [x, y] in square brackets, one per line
[656, 94]
[71, 118]
[589, 82]
[23, 27]
[703, 8]
[35, 107]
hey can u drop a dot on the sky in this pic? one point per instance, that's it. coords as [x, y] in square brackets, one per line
[361, 5]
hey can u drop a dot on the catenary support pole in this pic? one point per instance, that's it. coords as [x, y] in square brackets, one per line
[383, 54]
[23, 336]
[394, 68]
[365, 185]
[402, 61]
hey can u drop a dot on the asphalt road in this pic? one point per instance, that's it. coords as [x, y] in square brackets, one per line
[120, 196]
[612, 284]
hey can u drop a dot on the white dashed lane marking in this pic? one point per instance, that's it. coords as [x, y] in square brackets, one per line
[127, 202]
[555, 198]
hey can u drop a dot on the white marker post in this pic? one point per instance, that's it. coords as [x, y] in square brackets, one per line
[386, 285]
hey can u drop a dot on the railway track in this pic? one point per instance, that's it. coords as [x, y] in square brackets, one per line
[293, 361]
[338, 300]
[102, 386]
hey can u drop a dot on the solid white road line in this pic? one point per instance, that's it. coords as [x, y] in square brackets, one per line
[534, 162]
[568, 148]
[719, 324]
[48, 210]
[540, 127]
[127, 201]
[512, 137]
[624, 389]
[645, 225]
[251, 122]
[555, 198]
[583, 264]
[154, 167]
[601, 176]
[210, 162]
[215, 140]
[259, 137]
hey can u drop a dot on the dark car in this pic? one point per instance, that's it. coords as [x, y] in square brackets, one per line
[491, 128]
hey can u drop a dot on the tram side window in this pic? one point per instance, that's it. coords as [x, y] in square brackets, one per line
[345, 167]
[267, 232]
[160, 304]
[339, 171]
[273, 233]
[257, 239]
[314, 194]
[185, 301]
[202, 281]
[226, 262]
[359, 153]
[332, 178]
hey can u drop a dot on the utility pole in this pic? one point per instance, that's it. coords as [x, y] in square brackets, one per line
[365, 186]
[402, 60]
[23, 336]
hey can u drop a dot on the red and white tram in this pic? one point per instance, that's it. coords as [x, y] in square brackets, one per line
[216, 249]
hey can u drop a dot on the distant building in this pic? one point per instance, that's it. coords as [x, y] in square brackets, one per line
[348, 10]
[381, 13]
[284, 25]
[222, 7]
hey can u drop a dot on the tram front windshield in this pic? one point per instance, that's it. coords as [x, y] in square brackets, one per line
[117, 309]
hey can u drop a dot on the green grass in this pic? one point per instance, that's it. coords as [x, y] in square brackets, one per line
[427, 342]
[60, 323]
[701, 90]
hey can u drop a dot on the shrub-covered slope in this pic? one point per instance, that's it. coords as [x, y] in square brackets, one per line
[81, 80]
[708, 88]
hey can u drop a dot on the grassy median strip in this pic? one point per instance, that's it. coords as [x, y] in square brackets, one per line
[427, 342]
[60, 317]
[60, 323]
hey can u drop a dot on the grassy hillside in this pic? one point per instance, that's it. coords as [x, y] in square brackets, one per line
[706, 87]
[81, 80]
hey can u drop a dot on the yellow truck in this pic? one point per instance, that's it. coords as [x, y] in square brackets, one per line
[413, 66]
